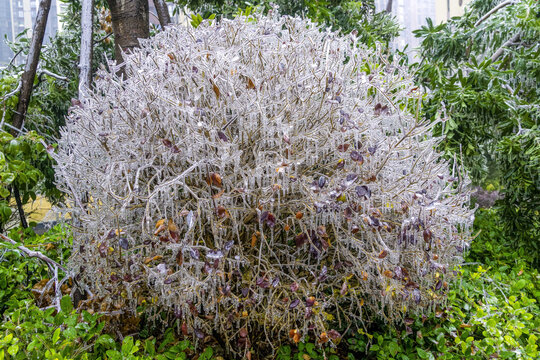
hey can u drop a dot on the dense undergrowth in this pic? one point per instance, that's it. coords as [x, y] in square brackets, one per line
[492, 312]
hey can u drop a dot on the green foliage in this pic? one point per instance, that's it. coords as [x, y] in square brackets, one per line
[488, 87]
[23, 161]
[346, 16]
[19, 273]
[492, 311]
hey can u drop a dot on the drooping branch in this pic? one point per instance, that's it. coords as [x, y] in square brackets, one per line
[85, 62]
[50, 262]
[508, 43]
[51, 74]
[493, 11]
[27, 79]
[162, 12]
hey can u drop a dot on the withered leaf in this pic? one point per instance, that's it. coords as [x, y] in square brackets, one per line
[214, 179]
[222, 136]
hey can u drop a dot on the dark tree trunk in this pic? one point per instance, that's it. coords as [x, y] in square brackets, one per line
[389, 6]
[162, 12]
[27, 79]
[130, 22]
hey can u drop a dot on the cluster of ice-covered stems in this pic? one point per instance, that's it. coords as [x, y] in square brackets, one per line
[260, 174]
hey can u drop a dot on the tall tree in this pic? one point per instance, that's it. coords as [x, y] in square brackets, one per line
[482, 71]
[85, 62]
[27, 80]
[130, 22]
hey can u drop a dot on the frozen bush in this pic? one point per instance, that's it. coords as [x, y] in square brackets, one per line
[260, 176]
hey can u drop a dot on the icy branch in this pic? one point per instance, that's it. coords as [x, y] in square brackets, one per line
[493, 11]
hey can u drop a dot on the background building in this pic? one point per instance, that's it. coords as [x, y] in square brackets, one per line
[412, 15]
[18, 15]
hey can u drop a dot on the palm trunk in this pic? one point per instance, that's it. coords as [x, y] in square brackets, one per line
[130, 22]
[27, 79]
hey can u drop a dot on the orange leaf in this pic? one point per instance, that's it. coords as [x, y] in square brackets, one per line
[250, 84]
[218, 195]
[253, 240]
[383, 254]
[299, 215]
[216, 89]
[286, 227]
[214, 179]
[160, 229]
[160, 222]
[172, 226]
[388, 274]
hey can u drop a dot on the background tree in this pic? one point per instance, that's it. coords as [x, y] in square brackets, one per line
[483, 74]
[346, 16]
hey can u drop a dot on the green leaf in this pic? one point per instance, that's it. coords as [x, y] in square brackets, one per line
[127, 345]
[106, 340]
[422, 353]
[56, 335]
[65, 304]
[13, 349]
[394, 348]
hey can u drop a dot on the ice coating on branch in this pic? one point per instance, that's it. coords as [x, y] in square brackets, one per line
[260, 173]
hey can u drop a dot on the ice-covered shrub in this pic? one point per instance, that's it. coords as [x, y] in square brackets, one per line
[260, 177]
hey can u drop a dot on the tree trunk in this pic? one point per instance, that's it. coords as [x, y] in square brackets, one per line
[389, 7]
[162, 12]
[85, 61]
[27, 79]
[130, 22]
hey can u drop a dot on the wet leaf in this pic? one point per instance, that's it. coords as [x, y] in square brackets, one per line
[103, 249]
[179, 258]
[222, 136]
[321, 182]
[343, 147]
[427, 234]
[363, 191]
[214, 179]
[167, 143]
[383, 254]
[356, 156]
[222, 212]
[228, 245]
[216, 89]
[344, 289]
[123, 242]
[334, 335]
[294, 304]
